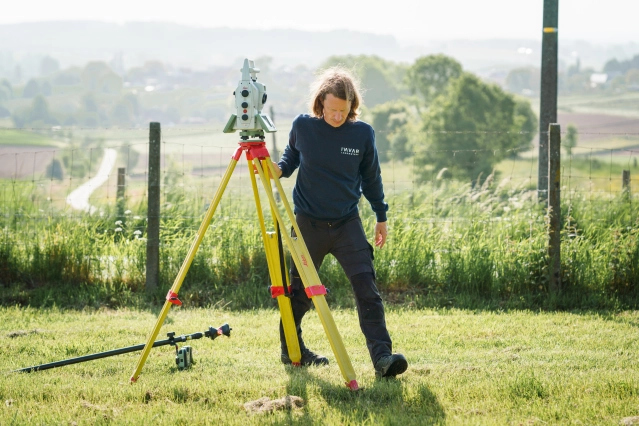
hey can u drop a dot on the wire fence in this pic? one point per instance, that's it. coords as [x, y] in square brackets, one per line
[73, 180]
[76, 182]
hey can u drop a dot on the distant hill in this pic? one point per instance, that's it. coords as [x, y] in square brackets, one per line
[73, 43]
[133, 43]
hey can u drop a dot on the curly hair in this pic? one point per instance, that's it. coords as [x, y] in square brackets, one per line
[339, 82]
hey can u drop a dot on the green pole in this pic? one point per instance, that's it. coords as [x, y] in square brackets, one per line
[548, 92]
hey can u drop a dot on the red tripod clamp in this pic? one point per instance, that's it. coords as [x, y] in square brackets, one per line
[172, 297]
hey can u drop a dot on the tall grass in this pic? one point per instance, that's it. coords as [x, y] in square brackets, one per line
[449, 244]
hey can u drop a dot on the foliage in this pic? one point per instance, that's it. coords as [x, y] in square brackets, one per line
[6, 91]
[390, 120]
[49, 65]
[54, 170]
[526, 81]
[35, 87]
[621, 67]
[98, 77]
[381, 80]
[450, 243]
[126, 111]
[570, 140]
[430, 75]
[472, 127]
[68, 77]
[36, 115]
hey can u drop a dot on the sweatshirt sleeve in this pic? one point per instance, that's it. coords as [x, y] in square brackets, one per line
[290, 159]
[372, 187]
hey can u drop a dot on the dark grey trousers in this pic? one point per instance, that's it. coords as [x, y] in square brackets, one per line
[345, 239]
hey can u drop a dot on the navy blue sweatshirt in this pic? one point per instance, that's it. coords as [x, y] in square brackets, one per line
[336, 166]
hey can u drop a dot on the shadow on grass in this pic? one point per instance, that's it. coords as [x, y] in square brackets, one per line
[386, 401]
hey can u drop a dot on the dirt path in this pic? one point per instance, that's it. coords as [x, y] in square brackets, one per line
[79, 198]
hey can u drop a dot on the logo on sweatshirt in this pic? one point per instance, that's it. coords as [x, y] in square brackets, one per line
[349, 151]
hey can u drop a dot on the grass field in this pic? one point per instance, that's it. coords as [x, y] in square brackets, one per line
[466, 367]
[21, 138]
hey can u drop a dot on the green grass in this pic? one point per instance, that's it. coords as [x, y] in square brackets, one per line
[449, 245]
[466, 367]
[625, 104]
[12, 137]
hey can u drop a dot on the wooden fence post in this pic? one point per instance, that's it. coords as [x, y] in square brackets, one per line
[554, 207]
[625, 181]
[120, 191]
[153, 214]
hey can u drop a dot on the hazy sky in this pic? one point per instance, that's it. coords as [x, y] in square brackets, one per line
[592, 20]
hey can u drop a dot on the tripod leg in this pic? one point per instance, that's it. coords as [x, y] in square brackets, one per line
[172, 295]
[314, 289]
[271, 249]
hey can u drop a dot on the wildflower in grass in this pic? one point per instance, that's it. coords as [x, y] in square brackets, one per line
[118, 229]
[118, 223]
[127, 212]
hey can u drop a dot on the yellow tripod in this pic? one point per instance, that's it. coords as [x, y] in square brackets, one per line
[259, 159]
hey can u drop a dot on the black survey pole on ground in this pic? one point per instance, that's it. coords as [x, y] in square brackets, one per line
[172, 340]
[153, 212]
[548, 91]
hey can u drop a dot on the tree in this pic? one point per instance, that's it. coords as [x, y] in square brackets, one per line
[389, 120]
[68, 77]
[54, 170]
[48, 65]
[632, 77]
[89, 103]
[524, 80]
[36, 114]
[39, 111]
[430, 75]
[31, 89]
[472, 127]
[98, 77]
[570, 140]
[381, 80]
[125, 112]
[6, 92]
[526, 124]
[621, 67]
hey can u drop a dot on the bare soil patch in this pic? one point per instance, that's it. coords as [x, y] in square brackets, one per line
[592, 127]
[21, 162]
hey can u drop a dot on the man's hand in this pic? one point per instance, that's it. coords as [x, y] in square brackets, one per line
[381, 230]
[267, 170]
[277, 170]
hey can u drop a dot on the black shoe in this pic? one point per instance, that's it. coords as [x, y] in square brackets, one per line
[390, 365]
[308, 358]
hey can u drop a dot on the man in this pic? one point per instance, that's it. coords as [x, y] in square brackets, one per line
[338, 162]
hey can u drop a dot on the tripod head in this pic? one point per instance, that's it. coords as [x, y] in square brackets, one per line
[250, 97]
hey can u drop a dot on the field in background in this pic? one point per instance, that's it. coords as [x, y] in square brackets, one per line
[466, 367]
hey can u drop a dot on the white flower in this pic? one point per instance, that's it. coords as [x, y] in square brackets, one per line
[137, 232]
[127, 212]
[118, 229]
[118, 223]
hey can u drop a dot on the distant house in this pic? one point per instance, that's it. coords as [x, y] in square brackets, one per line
[598, 79]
